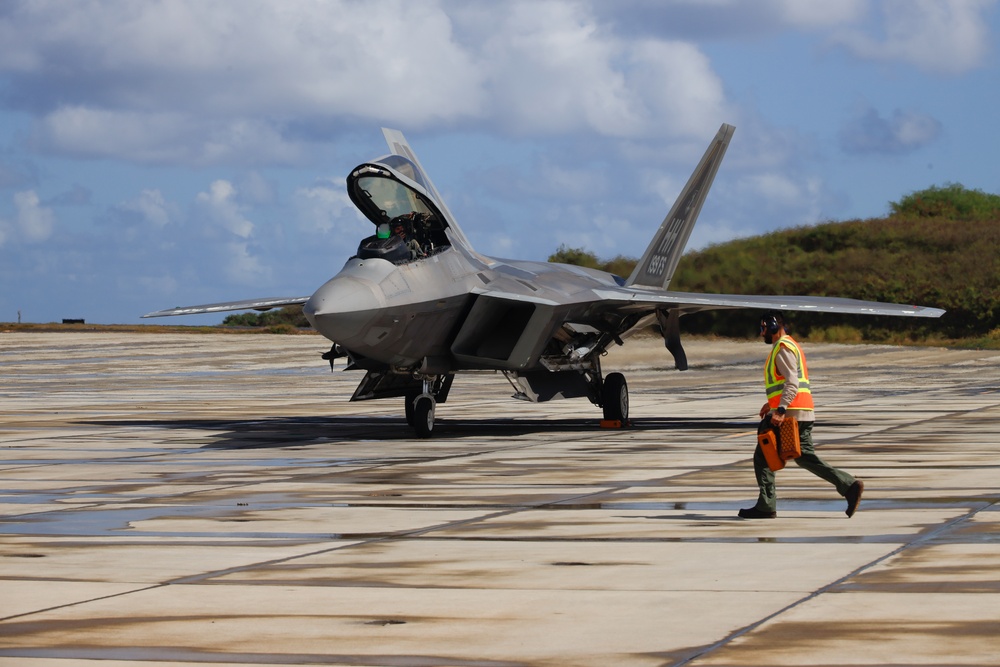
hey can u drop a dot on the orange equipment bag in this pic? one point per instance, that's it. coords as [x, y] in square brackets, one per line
[779, 444]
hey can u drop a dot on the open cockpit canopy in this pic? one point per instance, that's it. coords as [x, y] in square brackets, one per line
[389, 187]
[392, 194]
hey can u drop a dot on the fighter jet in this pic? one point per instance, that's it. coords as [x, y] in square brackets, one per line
[416, 304]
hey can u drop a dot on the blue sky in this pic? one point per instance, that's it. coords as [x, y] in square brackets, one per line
[155, 154]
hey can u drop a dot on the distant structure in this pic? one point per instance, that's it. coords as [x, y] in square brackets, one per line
[18, 315]
[80, 321]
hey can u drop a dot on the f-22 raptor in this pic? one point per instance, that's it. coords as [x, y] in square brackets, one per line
[417, 304]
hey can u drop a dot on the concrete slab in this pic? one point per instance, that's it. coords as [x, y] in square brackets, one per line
[216, 499]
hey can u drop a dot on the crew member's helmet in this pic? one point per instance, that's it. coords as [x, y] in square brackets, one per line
[770, 322]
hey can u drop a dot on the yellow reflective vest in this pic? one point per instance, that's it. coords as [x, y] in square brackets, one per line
[774, 382]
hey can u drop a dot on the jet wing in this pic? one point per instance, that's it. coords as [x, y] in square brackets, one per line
[250, 304]
[627, 300]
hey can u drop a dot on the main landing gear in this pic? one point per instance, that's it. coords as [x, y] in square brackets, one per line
[614, 398]
[610, 393]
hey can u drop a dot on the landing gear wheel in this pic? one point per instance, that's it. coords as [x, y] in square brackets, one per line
[423, 415]
[408, 403]
[614, 395]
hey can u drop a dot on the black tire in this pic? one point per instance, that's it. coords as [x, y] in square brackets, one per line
[423, 416]
[408, 407]
[614, 396]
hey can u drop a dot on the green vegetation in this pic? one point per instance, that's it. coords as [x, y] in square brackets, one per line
[939, 247]
[618, 265]
[951, 201]
[288, 319]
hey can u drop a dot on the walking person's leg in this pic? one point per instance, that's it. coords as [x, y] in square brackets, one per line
[846, 484]
[767, 499]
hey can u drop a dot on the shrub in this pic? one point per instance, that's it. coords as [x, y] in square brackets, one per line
[283, 328]
[619, 265]
[291, 316]
[575, 256]
[950, 201]
[841, 333]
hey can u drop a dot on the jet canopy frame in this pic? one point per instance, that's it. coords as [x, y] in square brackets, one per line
[409, 224]
[383, 192]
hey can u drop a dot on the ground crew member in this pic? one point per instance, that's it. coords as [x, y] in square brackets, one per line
[786, 380]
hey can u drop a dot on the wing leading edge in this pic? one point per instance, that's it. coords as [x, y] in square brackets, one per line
[248, 304]
[623, 299]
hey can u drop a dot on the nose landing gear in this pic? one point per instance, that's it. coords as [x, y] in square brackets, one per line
[420, 414]
[420, 407]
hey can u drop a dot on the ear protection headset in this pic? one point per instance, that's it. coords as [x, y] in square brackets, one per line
[770, 323]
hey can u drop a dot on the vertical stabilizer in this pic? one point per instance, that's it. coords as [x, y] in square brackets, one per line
[399, 146]
[657, 265]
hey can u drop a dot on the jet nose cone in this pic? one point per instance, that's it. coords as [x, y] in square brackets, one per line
[343, 307]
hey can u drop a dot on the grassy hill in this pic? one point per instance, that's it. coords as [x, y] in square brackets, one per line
[939, 247]
[949, 264]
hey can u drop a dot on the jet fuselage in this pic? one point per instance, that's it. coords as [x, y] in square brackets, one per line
[416, 314]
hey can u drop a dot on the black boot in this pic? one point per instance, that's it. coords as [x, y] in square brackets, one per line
[854, 497]
[754, 513]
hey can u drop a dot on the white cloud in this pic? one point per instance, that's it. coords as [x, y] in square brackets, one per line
[663, 186]
[681, 94]
[786, 199]
[699, 20]
[903, 132]
[258, 83]
[162, 137]
[221, 205]
[817, 14]
[255, 188]
[189, 82]
[95, 132]
[34, 221]
[774, 187]
[181, 81]
[612, 235]
[243, 268]
[151, 206]
[943, 36]
[325, 208]
[551, 68]
[571, 182]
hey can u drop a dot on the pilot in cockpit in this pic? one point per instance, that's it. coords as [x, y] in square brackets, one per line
[398, 228]
[403, 227]
[401, 239]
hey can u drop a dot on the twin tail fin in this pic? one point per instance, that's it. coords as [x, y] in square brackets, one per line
[656, 267]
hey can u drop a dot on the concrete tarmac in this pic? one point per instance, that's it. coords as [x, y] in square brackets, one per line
[184, 499]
